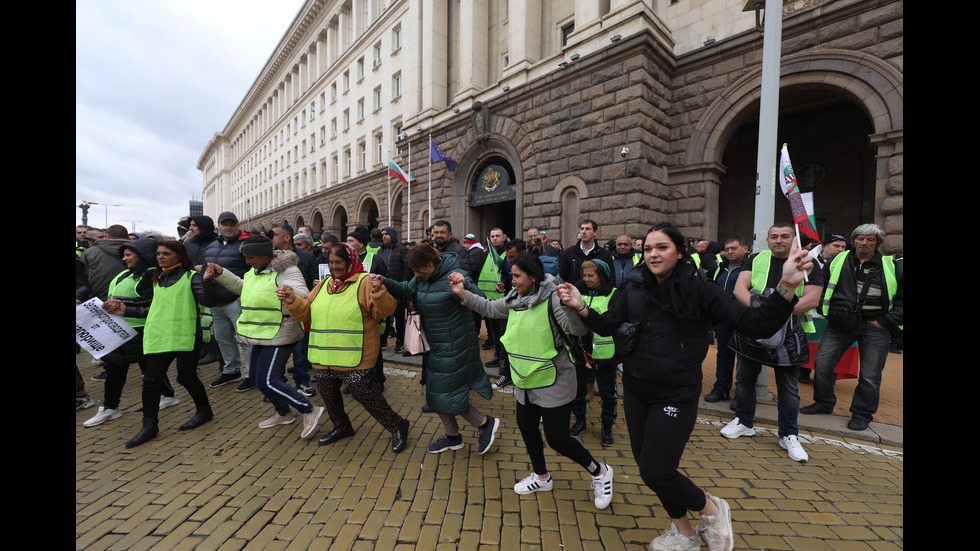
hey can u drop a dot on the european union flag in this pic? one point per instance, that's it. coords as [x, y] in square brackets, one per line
[436, 155]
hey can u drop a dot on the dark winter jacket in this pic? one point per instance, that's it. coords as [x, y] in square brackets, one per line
[452, 367]
[669, 351]
[196, 245]
[228, 256]
[570, 262]
[394, 256]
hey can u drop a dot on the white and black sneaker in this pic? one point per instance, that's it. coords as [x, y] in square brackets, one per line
[533, 484]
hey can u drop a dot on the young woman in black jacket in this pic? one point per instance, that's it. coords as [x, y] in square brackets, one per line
[674, 308]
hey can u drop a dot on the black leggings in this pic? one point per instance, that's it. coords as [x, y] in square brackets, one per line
[660, 421]
[556, 431]
[155, 377]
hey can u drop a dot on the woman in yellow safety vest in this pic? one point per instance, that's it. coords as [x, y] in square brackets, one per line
[172, 331]
[133, 286]
[542, 369]
[268, 329]
[343, 312]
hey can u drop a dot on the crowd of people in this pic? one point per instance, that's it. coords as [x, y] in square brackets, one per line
[564, 324]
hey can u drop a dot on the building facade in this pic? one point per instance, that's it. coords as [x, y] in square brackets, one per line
[628, 112]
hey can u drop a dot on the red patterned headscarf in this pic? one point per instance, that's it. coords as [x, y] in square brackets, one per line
[354, 264]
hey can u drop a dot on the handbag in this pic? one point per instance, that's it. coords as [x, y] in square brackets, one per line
[415, 341]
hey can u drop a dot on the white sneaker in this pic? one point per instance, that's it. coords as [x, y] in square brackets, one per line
[278, 420]
[102, 416]
[735, 429]
[167, 401]
[672, 540]
[533, 484]
[718, 528]
[792, 445]
[602, 488]
[310, 421]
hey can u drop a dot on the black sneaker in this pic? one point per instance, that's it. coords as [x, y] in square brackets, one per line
[607, 438]
[502, 381]
[495, 362]
[577, 428]
[715, 396]
[226, 378]
[100, 377]
[247, 384]
[399, 349]
[487, 434]
[306, 390]
[446, 443]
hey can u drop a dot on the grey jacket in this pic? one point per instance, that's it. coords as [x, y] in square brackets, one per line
[563, 391]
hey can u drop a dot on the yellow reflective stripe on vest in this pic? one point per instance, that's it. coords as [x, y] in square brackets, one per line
[261, 315]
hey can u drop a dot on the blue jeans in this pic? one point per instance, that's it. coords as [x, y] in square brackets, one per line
[725, 364]
[873, 351]
[225, 329]
[787, 395]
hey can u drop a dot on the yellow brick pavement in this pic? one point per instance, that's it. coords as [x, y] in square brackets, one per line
[230, 485]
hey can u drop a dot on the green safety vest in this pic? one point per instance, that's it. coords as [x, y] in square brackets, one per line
[124, 287]
[171, 325]
[261, 315]
[602, 345]
[530, 346]
[369, 257]
[760, 278]
[837, 264]
[207, 320]
[337, 327]
[489, 278]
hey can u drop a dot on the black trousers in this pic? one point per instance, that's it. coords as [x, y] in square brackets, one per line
[660, 421]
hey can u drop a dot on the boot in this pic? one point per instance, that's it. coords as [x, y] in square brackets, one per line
[202, 416]
[148, 432]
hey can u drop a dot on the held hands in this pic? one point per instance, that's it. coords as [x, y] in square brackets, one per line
[570, 296]
[375, 281]
[213, 270]
[114, 306]
[457, 283]
[285, 294]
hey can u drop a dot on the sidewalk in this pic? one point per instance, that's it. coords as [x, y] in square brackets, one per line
[230, 485]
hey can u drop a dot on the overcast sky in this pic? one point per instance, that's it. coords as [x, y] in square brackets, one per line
[154, 81]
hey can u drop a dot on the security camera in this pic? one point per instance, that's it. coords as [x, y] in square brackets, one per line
[625, 152]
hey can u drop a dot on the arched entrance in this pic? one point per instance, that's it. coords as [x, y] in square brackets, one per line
[493, 198]
[842, 115]
[827, 139]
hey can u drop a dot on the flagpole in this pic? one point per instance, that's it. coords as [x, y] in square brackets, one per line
[430, 178]
[409, 184]
[389, 187]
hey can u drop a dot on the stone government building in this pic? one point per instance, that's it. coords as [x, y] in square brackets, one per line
[537, 100]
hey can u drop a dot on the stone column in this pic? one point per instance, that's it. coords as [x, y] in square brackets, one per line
[524, 37]
[474, 42]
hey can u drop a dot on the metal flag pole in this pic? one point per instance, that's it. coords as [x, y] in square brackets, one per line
[430, 178]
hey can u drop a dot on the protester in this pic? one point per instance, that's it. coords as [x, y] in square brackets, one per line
[672, 309]
[452, 366]
[542, 369]
[268, 328]
[343, 313]
[172, 331]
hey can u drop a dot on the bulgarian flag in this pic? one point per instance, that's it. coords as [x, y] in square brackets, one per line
[787, 180]
[397, 172]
